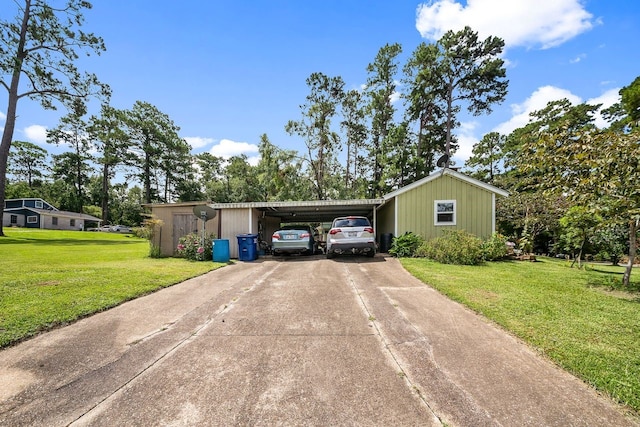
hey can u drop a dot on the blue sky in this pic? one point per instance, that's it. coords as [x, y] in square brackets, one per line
[227, 71]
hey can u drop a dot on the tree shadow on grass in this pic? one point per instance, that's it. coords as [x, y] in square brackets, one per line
[69, 242]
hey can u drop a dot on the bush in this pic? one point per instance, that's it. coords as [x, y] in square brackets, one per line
[494, 248]
[406, 245]
[192, 248]
[454, 247]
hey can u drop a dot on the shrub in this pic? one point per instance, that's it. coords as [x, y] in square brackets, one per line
[405, 245]
[454, 247]
[192, 248]
[494, 248]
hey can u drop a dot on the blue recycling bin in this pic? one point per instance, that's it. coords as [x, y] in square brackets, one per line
[221, 250]
[247, 247]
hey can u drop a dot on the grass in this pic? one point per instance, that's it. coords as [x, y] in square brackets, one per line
[50, 278]
[574, 317]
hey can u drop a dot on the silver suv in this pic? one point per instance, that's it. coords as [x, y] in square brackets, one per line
[351, 235]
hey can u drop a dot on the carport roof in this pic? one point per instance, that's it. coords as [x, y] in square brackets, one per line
[316, 210]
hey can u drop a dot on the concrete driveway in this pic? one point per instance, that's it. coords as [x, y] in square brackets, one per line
[291, 341]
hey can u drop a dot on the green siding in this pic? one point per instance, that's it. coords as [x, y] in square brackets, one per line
[473, 207]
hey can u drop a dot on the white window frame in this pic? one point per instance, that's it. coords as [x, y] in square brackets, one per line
[39, 204]
[32, 219]
[435, 212]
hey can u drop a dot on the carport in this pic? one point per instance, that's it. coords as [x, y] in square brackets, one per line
[261, 218]
[264, 218]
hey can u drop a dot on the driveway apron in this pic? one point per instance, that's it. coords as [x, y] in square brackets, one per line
[291, 341]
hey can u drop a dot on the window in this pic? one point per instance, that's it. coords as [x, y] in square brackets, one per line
[445, 212]
[54, 220]
[32, 219]
[14, 219]
[38, 204]
[72, 222]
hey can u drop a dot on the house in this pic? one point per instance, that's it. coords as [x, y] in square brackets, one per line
[37, 213]
[445, 199]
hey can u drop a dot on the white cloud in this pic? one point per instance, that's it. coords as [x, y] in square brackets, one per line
[198, 141]
[3, 116]
[530, 23]
[537, 101]
[36, 133]
[607, 99]
[395, 97]
[227, 148]
[578, 58]
[466, 141]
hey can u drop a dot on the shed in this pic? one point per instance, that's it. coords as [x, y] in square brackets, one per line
[444, 200]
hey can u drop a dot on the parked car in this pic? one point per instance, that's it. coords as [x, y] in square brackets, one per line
[351, 235]
[101, 228]
[121, 229]
[295, 239]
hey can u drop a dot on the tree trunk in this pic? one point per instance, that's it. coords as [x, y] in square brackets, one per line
[12, 103]
[105, 191]
[633, 231]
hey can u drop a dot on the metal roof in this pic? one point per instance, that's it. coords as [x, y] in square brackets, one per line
[316, 210]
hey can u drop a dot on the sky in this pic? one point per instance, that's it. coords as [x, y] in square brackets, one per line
[228, 71]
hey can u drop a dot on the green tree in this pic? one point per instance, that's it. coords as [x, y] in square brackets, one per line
[153, 138]
[278, 173]
[462, 68]
[326, 94]
[27, 161]
[630, 100]
[380, 90]
[487, 154]
[73, 167]
[107, 132]
[355, 130]
[38, 49]
[597, 169]
[578, 225]
[423, 108]
[71, 171]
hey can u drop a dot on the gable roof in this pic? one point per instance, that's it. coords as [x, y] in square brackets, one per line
[452, 173]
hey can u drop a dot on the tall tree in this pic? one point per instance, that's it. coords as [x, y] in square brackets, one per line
[381, 88]
[38, 48]
[71, 171]
[152, 138]
[27, 161]
[72, 132]
[486, 157]
[355, 131]
[421, 107]
[107, 131]
[326, 94]
[463, 69]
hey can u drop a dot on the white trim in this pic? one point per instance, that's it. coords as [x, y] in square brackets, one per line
[250, 220]
[395, 217]
[493, 213]
[38, 204]
[442, 172]
[435, 212]
[35, 219]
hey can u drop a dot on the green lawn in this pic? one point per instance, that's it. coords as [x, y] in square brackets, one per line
[573, 317]
[49, 278]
